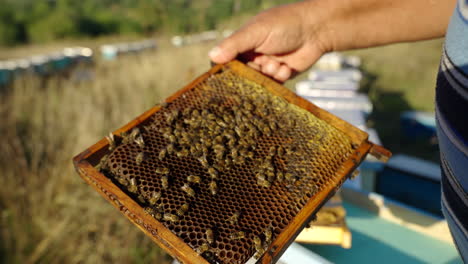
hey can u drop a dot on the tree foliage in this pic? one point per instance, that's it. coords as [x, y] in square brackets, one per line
[27, 21]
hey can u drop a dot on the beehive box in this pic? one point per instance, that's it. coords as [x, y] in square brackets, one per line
[227, 170]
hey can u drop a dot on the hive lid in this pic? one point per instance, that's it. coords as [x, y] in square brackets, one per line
[230, 109]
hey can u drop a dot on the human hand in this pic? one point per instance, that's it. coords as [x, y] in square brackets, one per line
[288, 39]
[278, 42]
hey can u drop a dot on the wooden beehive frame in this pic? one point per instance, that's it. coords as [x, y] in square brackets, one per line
[85, 162]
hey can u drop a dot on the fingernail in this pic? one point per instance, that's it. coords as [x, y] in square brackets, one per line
[214, 52]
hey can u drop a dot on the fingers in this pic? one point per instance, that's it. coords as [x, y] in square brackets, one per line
[283, 74]
[244, 40]
[272, 67]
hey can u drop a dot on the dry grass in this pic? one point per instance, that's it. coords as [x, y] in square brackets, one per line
[48, 214]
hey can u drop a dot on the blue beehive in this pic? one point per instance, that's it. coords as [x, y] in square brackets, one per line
[5, 75]
[109, 52]
[60, 62]
[418, 125]
[412, 181]
[41, 65]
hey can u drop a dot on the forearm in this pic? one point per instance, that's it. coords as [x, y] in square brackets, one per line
[351, 24]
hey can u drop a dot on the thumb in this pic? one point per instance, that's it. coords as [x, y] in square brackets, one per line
[243, 40]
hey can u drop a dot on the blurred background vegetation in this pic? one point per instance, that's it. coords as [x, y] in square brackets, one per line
[29, 21]
[47, 213]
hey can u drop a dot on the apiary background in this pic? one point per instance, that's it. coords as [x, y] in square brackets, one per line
[45, 122]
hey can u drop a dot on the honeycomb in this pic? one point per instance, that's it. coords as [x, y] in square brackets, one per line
[227, 165]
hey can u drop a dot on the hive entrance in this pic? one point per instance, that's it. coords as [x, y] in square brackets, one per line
[249, 154]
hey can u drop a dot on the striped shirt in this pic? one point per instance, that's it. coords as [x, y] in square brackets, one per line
[452, 121]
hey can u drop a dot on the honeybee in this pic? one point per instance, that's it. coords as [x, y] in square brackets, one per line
[279, 176]
[248, 106]
[209, 236]
[221, 123]
[280, 151]
[111, 141]
[187, 189]
[227, 164]
[182, 209]
[259, 253]
[268, 234]
[158, 215]
[149, 211]
[155, 196]
[170, 117]
[162, 154]
[239, 131]
[261, 177]
[194, 179]
[122, 181]
[172, 138]
[219, 156]
[166, 133]
[239, 160]
[218, 147]
[265, 184]
[102, 163]
[183, 153]
[231, 142]
[170, 148]
[139, 141]
[187, 111]
[162, 170]
[234, 153]
[234, 219]
[203, 160]
[289, 177]
[272, 151]
[272, 125]
[213, 187]
[227, 118]
[135, 133]
[211, 117]
[125, 137]
[193, 150]
[266, 130]
[205, 148]
[170, 217]
[185, 136]
[133, 186]
[265, 164]
[212, 172]
[270, 175]
[203, 248]
[237, 235]
[141, 199]
[140, 157]
[291, 150]
[257, 243]
[164, 182]
[195, 113]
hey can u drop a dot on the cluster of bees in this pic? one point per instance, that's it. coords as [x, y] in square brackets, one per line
[229, 131]
[259, 245]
